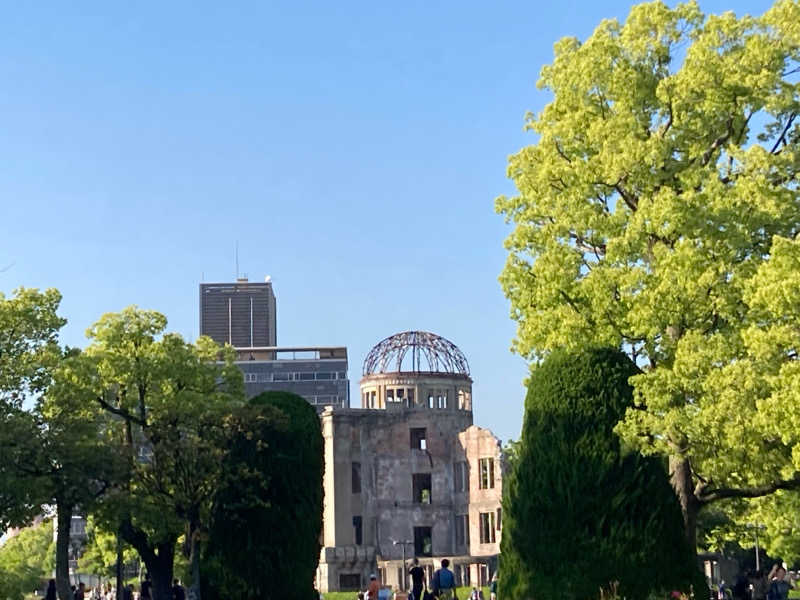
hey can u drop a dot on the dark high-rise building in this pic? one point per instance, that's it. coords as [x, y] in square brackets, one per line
[241, 314]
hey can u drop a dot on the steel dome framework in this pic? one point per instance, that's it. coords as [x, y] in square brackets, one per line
[428, 353]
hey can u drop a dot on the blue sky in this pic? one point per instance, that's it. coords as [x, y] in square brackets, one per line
[354, 151]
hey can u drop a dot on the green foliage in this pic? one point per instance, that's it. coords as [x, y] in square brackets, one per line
[164, 399]
[659, 212]
[580, 511]
[29, 351]
[29, 328]
[25, 560]
[267, 519]
[99, 553]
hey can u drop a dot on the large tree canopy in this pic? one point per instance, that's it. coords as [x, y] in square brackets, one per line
[167, 398]
[658, 212]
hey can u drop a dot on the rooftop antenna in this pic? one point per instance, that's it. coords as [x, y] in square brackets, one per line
[237, 260]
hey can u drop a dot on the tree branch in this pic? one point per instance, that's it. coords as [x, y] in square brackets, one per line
[705, 496]
[561, 153]
[120, 412]
[717, 143]
[574, 307]
[782, 137]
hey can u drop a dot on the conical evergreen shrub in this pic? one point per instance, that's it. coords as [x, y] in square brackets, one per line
[579, 512]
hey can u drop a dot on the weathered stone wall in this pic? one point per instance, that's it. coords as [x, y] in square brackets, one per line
[380, 442]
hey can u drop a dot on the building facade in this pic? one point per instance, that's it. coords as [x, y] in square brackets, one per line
[242, 314]
[408, 474]
[318, 374]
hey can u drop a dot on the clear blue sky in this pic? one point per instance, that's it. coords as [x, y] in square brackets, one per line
[354, 150]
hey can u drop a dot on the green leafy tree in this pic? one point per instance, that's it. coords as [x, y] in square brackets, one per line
[580, 512]
[267, 517]
[167, 398]
[658, 212]
[29, 326]
[25, 560]
[99, 555]
[53, 448]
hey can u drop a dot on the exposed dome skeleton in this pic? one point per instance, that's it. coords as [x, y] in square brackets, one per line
[428, 353]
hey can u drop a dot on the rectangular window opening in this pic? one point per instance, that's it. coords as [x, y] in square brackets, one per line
[487, 528]
[418, 438]
[462, 530]
[356, 478]
[349, 582]
[487, 473]
[421, 488]
[357, 530]
[423, 543]
[460, 477]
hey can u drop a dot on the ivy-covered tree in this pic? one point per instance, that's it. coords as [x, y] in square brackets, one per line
[658, 212]
[580, 511]
[267, 518]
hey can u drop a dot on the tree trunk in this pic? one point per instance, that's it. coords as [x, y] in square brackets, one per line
[160, 568]
[194, 563]
[158, 559]
[64, 516]
[120, 579]
[680, 472]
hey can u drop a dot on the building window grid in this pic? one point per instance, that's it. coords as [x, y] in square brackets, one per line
[296, 376]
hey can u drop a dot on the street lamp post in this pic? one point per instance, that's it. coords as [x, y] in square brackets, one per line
[756, 527]
[403, 543]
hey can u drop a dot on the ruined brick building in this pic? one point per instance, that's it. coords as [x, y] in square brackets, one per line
[408, 474]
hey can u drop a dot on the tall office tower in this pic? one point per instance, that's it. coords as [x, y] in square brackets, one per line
[241, 314]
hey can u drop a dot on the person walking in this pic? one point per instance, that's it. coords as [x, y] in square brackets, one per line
[417, 580]
[178, 593]
[51, 590]
[374, 587]
[147, 588]
[758, 585]
[493, 588]
[444, 582]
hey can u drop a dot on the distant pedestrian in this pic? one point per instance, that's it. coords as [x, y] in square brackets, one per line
[740, 588]
[80, 593]
[178, 593]
[476, 594]
[444, 582]
[51, 590]
[417, 580]
[493, 588]
[374, 588]
[147, 587]
[778, 586]
[127, 592]
[758, 585]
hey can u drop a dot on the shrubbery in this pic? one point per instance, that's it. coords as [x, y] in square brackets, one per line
[264, 537]
[579, 511]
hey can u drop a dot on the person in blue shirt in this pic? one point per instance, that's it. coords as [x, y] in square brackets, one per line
[444, 582]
